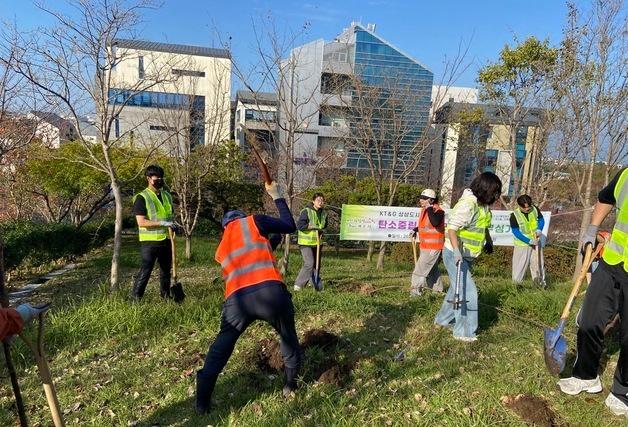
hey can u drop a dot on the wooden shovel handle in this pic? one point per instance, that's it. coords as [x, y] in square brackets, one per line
[173, 247]
[589, 256]
[262, 164]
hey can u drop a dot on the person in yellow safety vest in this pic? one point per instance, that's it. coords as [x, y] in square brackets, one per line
[526, 224]
[466, 236]
[312, 221]
[606, 296]
[153, 212]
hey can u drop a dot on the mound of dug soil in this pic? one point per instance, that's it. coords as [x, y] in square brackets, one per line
[531, 409]
[268, 356]
[336, 375]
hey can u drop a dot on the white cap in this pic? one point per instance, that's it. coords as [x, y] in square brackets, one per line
[428, 192]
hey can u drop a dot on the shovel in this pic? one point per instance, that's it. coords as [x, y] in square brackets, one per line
[457, 302]
[316, 274]
[540, 281]
[555, 345]
[44, 373]
[175, 287]
[413, 243]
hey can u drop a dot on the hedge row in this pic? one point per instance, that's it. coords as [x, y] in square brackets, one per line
[559, 261]
[31, 244]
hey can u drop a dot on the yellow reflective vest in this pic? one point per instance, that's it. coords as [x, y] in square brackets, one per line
[157, 211]
[616, 251]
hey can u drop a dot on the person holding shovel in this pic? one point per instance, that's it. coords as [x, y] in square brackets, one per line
[526, 224]
[431, 233]
[606, 296]
[153, 210]
[312, 221]
[254, 290]
[466, 236]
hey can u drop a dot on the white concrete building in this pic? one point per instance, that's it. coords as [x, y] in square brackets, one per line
[171, 88]
[52, 129]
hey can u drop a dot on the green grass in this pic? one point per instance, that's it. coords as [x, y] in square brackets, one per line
[117, 363]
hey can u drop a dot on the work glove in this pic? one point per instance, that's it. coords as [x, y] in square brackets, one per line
[413, 234]
[534, 241]
[488, 248]
[273, 190]
[457, 256]
[589, 236]
[167, 224]
[28, 312]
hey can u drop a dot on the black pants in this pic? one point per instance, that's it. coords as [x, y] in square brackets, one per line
[606, 296]
[151, 252]
[270, 302]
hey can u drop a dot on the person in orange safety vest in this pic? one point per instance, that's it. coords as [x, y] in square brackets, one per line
[254, 290]
[431, 234]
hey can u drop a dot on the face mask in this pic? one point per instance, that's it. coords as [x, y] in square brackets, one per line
[158, 183]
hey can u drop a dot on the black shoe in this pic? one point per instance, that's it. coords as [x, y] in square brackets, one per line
[204, 389]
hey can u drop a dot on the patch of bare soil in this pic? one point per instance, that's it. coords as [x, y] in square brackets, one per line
[318, 338]
[268, 356]
[533, 410]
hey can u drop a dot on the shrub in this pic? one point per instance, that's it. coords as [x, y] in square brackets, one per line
[559, 261]
[29, 244]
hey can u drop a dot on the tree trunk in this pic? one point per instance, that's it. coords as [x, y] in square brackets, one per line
[188, 247]
[369, 253]
[380, 256]
[283, 263]
[117, 237]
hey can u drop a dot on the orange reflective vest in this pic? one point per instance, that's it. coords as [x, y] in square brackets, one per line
[245, 256]
[430, 237]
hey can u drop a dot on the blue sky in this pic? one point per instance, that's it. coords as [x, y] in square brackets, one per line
[429, 31]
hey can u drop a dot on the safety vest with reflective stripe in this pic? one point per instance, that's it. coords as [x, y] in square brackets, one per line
[308, 237]
[430, 237]
[157, 211]
[616, 250]
[245, 256]
[473, 235]
[527, 226]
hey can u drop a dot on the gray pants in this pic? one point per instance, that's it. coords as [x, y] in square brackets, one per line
[426, 272]
[524, 257]
[309, 263]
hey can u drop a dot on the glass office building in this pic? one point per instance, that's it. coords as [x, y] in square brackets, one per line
[401, 80]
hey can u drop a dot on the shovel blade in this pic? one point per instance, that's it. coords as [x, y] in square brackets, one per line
[317, 282]
[555, 350]
[177, 292]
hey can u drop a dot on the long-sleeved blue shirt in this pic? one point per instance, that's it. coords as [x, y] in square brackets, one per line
[514, 225]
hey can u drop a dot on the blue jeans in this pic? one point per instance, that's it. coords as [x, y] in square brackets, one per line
[464, 320]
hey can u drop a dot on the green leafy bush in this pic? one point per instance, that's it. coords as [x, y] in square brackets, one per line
[559, 261]
[27, 243]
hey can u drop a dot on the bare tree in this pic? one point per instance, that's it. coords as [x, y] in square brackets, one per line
[590, 89]
[71, 64]
[194, 140]
[283, 67]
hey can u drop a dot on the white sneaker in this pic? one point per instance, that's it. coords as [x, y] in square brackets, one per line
[616, 406]
[573, 385]
[466, 339]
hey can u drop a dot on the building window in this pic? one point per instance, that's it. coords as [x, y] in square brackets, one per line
[331, 117]
[261, 116]
[237, 115]
[160, 127]
[140, 67]
[335, 84]
[188, 73]
[155, 99]
[116, 124]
